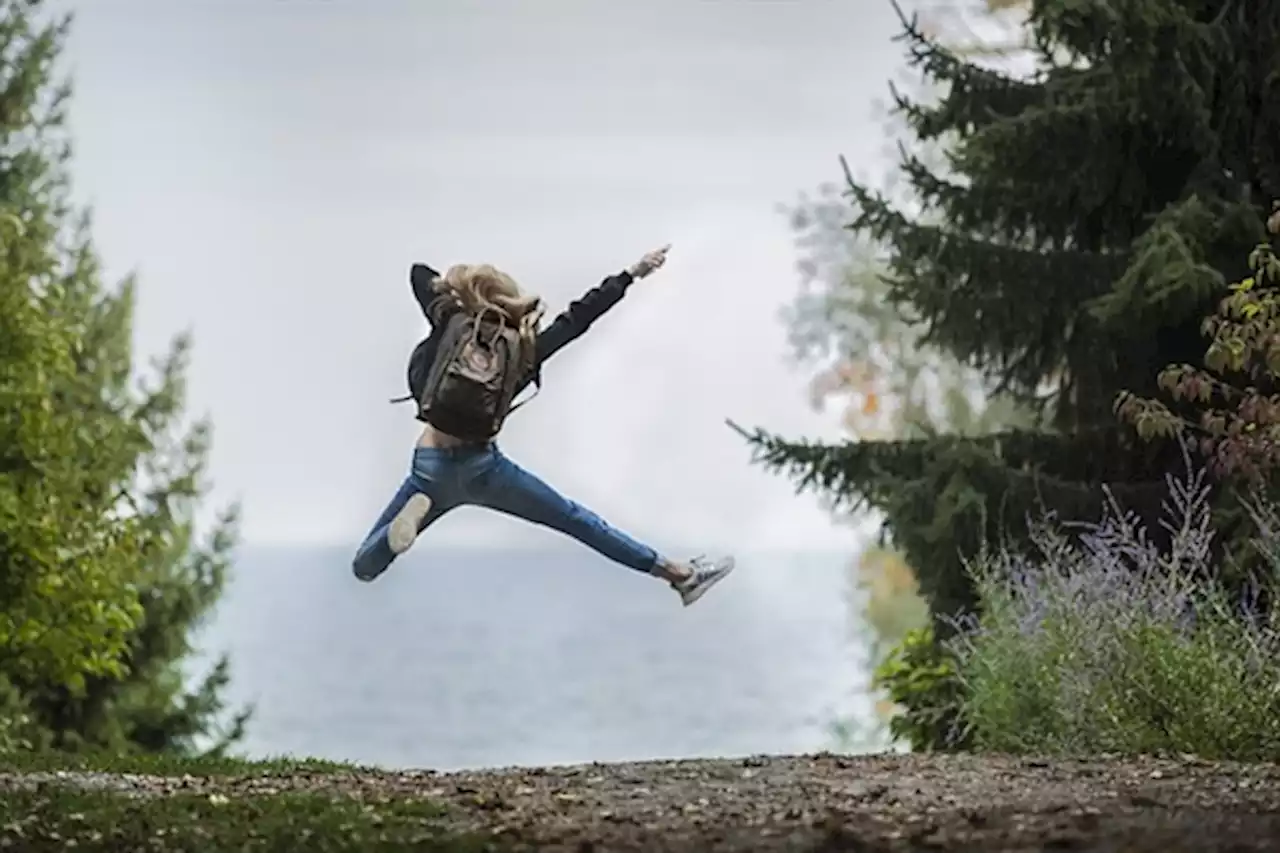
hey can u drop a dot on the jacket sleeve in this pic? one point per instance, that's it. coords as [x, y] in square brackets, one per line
[570, 324]
[437, 307]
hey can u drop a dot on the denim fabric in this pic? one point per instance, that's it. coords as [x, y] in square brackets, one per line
[483, 476]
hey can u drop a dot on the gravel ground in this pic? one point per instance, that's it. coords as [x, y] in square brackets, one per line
[822, 802]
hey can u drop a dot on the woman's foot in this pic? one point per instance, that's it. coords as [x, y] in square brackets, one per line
[408, 521]
[699, 575]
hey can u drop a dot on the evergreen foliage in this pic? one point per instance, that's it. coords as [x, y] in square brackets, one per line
[102, 580]
[1084, 223]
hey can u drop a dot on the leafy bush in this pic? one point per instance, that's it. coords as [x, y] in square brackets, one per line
[1231, 405]
[921, 679]
[1103, 642]
[15, 720]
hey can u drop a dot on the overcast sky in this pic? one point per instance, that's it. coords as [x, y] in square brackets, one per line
[271, 169]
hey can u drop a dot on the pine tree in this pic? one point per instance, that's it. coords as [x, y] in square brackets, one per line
[102, 581]
[1086, 221]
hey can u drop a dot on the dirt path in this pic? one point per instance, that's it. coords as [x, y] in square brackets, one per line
[823, 803]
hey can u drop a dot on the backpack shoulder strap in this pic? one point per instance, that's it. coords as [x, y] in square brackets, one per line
[537, 387]
[536, 381]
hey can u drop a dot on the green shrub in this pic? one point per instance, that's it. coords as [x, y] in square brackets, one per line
[921, 679]
[15, 720]
[1105, 643]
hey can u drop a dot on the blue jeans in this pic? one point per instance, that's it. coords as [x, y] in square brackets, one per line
[483, 476]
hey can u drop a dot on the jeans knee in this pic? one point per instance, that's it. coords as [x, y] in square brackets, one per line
[589, 527]
[579, 518]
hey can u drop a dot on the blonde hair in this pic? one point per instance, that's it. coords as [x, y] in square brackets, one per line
[482, 287]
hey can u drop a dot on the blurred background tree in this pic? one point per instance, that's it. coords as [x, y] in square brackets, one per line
[868, 354]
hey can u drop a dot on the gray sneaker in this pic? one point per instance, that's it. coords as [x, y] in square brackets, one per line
[404, 527]
[706, 574]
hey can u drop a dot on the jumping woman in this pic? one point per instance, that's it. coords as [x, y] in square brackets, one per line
[484, 348]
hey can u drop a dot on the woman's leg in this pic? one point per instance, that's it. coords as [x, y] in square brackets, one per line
[409, 506]
[508, 488]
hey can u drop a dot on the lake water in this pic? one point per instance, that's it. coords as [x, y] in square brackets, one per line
[477, 659]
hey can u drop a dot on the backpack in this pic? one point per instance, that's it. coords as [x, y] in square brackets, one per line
[469, 389]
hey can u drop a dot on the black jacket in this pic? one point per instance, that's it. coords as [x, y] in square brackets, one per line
[567, 326]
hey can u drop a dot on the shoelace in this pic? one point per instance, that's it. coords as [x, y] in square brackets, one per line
[700, 567]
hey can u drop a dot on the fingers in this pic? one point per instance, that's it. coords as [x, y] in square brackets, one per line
[651, 261]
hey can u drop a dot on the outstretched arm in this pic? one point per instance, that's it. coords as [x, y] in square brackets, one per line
[582, 312]
[572, 323]
[435, 306]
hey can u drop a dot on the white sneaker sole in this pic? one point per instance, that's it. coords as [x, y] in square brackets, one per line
[404, 527]
[726, 566]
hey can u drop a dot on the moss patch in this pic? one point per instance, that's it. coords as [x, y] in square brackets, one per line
[55, 817]
[164, 765]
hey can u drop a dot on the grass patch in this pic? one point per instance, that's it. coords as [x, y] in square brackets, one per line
[58, 819]
[165, 765]
[218, 814]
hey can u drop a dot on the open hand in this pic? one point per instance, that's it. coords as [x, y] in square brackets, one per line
[650, 262]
